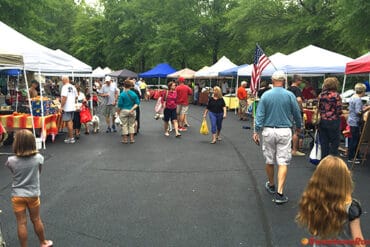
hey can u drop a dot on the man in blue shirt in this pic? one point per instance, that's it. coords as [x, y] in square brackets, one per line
[276, 111]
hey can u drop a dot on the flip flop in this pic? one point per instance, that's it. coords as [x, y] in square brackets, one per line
[132, 142]
[178, 135]
[124, 142]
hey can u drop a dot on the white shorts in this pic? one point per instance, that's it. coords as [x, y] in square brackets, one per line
[276, 145]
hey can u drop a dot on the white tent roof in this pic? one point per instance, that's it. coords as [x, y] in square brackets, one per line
[222, 64]
[98, 72]
[75, 63]
[35, 56]
[10, 60]
[278, 60]
[107, 70]
[315, 60]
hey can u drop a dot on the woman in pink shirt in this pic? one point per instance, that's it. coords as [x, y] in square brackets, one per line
[169, 104]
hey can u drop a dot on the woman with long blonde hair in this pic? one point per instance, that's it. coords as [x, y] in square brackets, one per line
[217, 112]
[326, 207]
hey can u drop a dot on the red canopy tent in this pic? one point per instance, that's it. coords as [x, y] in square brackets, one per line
[359, 65]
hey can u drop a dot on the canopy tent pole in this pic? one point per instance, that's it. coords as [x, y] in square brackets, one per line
[235, 92]
[91, 96]
[43, 136]
[29, 102]
[16, 91]
[344, 82]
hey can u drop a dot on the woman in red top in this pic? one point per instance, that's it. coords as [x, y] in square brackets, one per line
[169, 103]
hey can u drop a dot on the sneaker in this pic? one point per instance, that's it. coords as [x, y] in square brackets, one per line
[69, 140]
[270, 189]
[279, 199]
[355, 162]
[182, 129]
[297, 153]
[114, 128]
[108, 130]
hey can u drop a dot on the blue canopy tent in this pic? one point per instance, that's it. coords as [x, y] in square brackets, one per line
[160, 71]
[11, 72]
[232, 72]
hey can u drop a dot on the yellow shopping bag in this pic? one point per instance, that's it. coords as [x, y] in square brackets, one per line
[204, 127]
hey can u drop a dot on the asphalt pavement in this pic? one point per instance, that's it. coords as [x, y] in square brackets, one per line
[166, 191]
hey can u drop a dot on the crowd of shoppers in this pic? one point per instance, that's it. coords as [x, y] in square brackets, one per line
[326, 207]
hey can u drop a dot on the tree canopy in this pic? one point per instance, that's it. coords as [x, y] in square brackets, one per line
[137, 34]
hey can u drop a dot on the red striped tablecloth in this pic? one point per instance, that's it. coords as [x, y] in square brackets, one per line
[24, 121]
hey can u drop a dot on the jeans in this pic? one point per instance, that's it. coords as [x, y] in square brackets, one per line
[353, 141]
[216, 121]
[329, 131]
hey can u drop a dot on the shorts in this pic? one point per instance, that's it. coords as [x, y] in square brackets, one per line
[276, 145]
[108, 110]
[22, 203]
[67, 116]
[243, 104]
[182, 109]
[169, 114]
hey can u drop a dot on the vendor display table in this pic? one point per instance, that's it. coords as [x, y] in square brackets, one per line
[24, 121]
[231, 101]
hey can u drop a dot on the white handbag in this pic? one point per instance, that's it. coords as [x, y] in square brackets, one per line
[315, 155]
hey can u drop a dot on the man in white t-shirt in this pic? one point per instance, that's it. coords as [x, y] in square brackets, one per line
[109, 92]
[68, 101]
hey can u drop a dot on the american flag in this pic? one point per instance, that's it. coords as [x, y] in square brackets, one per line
[259, 64]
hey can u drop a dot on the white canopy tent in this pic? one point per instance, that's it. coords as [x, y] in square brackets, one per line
[77, 65]
[107, 70]
[278, 60]
[212, 72]
[35, 56]
[315, 60]
[98, 72]
[9, 60]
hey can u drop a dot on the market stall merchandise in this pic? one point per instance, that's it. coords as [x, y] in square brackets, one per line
[46, 124]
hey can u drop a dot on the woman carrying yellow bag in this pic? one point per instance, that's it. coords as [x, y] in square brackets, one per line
[217, 112]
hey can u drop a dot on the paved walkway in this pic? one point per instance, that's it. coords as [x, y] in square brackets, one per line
[166, 191]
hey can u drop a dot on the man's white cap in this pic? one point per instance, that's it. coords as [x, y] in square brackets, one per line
[278, 75]
[108, 78]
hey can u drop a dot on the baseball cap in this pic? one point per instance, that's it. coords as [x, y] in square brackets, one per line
[108, 78]
[278, 75]
[181, 79]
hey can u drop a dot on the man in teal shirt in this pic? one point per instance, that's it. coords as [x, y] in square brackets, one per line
[276, 111]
